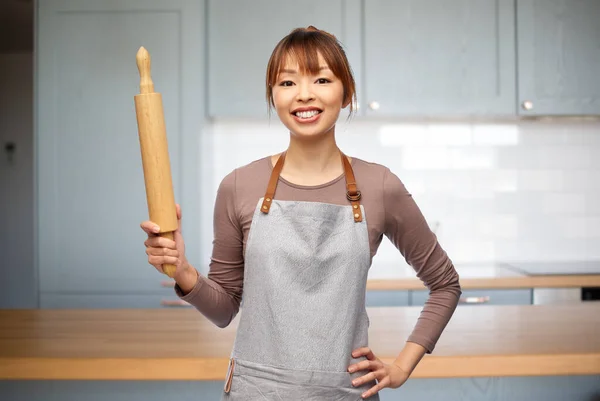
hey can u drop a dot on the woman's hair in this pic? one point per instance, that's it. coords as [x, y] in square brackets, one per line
[304, 44]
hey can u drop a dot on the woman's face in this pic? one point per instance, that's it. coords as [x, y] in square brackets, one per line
[308, 105]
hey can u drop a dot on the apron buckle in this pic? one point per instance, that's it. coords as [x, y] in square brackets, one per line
[353, 197]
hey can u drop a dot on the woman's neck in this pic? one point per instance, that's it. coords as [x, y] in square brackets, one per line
[312, 161]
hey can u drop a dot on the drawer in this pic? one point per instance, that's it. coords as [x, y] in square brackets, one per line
[110, 301]
[518, 296]
[387, 298]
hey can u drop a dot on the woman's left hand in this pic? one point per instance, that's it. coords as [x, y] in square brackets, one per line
[386, 375]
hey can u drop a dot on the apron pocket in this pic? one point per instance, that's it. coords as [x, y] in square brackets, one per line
[258, 382]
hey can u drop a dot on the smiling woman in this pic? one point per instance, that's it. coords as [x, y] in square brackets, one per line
[307, 53]
[296, 233]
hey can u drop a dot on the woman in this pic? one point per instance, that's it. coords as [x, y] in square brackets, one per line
[297, 233]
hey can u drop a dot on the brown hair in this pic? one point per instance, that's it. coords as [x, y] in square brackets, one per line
[304, 44]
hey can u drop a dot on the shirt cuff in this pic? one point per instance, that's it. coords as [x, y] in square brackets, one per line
[422, 341]
[193, 293]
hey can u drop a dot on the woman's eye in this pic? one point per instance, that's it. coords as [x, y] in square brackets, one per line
[286, 83]
[323, 80]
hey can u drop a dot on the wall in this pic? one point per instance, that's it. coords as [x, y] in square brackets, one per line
[16, 181]
[500, 191]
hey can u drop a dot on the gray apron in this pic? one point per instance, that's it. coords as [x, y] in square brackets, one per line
[303, 313]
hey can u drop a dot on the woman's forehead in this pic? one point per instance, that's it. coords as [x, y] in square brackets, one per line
[292, 62]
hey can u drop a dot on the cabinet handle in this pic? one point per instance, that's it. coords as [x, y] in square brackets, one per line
[527, 105]
[174, 302]
[167, 283]
[374, 105]
[473, 300]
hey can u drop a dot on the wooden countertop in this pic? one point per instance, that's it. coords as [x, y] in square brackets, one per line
[160, 344]
[386, 276]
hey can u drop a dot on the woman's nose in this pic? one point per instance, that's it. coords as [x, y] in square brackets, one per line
[304, 93]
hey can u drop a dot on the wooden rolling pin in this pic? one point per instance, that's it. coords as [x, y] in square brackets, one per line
[155, 154]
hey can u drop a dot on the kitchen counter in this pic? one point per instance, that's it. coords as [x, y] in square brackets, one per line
[142, 344]
[489, 275]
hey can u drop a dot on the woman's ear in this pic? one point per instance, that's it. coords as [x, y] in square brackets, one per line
[346, 102]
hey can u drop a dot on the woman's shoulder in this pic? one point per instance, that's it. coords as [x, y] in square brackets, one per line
[247, 175]
[368, 169]
[377, 177]
[252, 169]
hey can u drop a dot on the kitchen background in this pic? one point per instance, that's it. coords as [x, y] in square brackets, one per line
[488, 110]
[496, 186]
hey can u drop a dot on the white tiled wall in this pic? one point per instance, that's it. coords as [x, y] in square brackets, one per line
[506, 191]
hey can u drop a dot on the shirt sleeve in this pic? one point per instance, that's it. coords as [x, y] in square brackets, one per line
[219, 295]
[407, 229]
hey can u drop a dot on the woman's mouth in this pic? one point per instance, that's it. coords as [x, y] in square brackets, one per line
[307, 116]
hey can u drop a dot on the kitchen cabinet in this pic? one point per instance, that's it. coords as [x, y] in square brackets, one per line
[438, 58]
[558, 46]
[547, 388]
[520, 296]
[241, 37]
[167, 299]
[411, 58]
[89, 180]
[387, 298]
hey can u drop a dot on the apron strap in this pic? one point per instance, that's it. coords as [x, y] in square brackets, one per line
[352, 192]
[267, 200]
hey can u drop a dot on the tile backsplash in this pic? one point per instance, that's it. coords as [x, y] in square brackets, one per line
[505, 191]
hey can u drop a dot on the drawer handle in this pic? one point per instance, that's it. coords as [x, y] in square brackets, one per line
[174, 302]
[167, 283]
[474, 300]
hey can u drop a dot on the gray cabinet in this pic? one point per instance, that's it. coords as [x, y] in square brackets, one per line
[517, 296]
[166, 299]
[89, 179]
[558, 57]
[242, 35]
[482, 297]
[416, 58]
[438, 58]
[553, 388]
[387, 298]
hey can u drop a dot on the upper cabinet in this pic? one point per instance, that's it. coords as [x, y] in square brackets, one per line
[241, 37]
[420, 58]
[438, 57]
[559, 57]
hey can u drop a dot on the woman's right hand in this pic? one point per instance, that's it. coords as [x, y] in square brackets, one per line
[162, 251]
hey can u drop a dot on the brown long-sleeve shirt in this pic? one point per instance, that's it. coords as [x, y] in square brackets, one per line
[389, 210]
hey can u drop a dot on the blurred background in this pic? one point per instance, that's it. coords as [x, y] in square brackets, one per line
[488, 110]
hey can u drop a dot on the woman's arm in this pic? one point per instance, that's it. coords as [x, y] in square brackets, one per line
[408, 230]
[219, 295]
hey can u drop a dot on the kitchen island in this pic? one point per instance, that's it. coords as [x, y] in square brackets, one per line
[557, 342]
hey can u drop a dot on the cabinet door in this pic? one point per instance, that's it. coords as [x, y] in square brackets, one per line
[90, 194]
[482, 297]
[559, 57]
[241, 37]
[112, 301]
[387, 298]
[438, 57]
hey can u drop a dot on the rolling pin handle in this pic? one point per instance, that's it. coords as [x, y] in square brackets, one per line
[143, 63]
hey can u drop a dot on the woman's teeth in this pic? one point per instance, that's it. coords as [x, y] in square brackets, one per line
[307, 114]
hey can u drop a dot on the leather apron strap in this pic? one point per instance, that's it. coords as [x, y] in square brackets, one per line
[352, 192]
